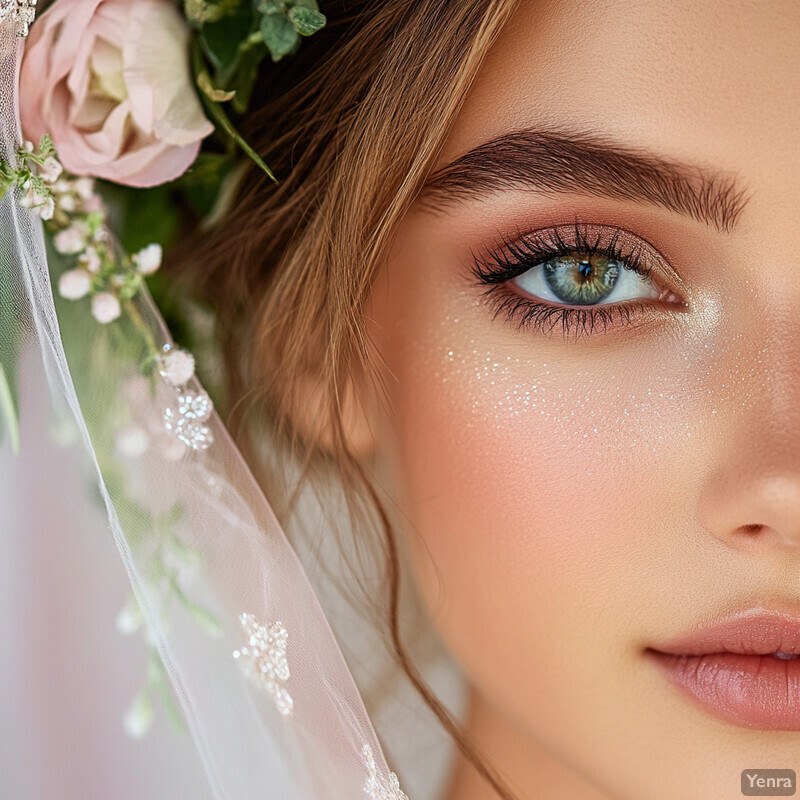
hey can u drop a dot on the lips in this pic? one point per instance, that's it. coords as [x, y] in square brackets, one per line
[741, 670]
[755, 632]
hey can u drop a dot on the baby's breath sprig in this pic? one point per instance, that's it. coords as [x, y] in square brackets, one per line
[34, 183]
[75, 218]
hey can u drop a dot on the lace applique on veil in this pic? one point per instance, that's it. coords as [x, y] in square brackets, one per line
[265, 659]
[377, 787]
[20, 12]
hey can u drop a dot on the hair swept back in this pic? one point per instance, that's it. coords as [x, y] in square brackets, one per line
[351, 125]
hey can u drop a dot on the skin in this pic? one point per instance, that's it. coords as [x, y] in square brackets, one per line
[568, 503]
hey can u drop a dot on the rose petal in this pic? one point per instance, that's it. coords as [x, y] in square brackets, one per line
[140, 124]
[158, 76]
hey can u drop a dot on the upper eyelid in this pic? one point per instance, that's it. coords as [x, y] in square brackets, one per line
[664, 273]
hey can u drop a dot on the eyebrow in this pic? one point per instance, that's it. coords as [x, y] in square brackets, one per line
[585, 163]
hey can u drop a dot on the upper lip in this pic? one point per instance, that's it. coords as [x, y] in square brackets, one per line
[756, 631]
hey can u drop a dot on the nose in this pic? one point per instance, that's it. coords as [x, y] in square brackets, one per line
[751, 499]
[757, 509]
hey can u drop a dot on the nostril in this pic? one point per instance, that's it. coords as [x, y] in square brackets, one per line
[753, 528]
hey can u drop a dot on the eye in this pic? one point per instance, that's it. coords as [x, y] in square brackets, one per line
[586, 278]
[579, 276]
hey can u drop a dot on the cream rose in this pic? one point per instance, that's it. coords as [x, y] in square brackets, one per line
[110, 81]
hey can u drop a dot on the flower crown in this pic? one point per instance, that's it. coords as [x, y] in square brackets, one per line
[123, 97]
[142, 95]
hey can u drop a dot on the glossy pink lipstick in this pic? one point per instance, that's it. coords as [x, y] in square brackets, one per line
[745, 670]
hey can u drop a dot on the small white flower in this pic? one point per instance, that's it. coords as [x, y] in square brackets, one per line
[90, 260]
[105, 307]
[129, 619]
[62, 186]
[51, 170]
[74, 284]
[101, 234]
[46, 209]
[71, 240]
[84, 188]
[41, 204]
[177, 366]
[132, 441]
[28, 146]
[148, 260]
[67, 203]
[139, 715]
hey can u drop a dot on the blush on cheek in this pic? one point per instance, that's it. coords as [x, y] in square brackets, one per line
[520, 530]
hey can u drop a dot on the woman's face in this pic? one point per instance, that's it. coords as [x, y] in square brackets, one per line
[579, 490]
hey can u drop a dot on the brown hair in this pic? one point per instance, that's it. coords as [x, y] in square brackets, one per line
[351, 125]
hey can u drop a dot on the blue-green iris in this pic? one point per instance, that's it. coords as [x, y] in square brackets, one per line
[581, 278]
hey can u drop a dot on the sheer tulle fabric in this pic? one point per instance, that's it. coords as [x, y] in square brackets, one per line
[198, 541]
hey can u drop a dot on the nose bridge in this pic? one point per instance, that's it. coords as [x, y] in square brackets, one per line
[772, 344]
[752, 499]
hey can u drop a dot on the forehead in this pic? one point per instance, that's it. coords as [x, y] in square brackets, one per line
[716, 81]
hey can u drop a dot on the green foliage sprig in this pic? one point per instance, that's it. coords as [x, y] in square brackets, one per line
[231, 39]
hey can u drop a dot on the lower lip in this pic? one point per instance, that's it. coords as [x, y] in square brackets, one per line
[752, 691]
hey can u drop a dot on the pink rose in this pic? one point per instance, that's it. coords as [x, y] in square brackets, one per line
[110, 81]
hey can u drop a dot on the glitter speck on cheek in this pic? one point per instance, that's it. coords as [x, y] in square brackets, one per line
[592, 407]
[639, 399]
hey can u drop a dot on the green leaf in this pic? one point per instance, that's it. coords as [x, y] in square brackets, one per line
[172, 516]
[271, 7]
[46, 146]
[39, 186]
[10, 336]
[279, 35]
[215, 110]
[157, 677]
[139, 716]
[223, 42]
[8, 413]
[188, 555]
[246, 74]
[202, 615]
[306, 20]
[132, 284]
[210, 91]
[203, 11]
[205, 618]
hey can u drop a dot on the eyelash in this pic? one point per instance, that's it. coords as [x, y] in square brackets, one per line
[525, 253]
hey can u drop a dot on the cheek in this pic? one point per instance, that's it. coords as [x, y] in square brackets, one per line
[520, 531]
[526, 476]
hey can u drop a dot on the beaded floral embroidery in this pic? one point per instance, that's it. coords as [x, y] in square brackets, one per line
[187, 419]
[20, 12]
[377, 787]
[265, 659]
